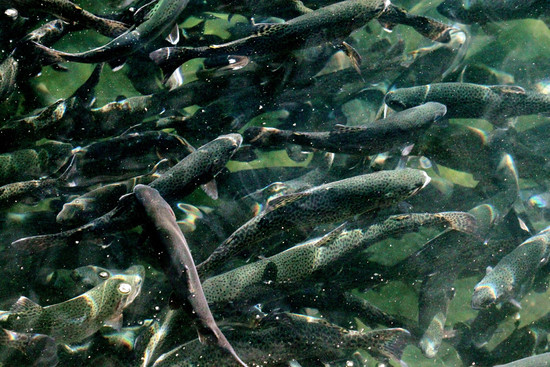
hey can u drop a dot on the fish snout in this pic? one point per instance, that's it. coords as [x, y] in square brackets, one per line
[483, 297]
[236, 139]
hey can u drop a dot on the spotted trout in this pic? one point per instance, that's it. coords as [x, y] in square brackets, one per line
[330, 23]
[395, 131]
[196, 169]
[327, 203]
[76, 319]
[513, 276]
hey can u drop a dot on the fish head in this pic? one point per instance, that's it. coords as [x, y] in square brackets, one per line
[121, 289]
[220, 150]
[484, 296]
[90, 275]
[436, 110]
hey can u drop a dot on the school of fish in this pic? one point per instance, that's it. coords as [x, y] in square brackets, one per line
[189, 183]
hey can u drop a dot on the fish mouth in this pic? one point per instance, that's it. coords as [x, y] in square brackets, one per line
[427, 180]
[484, 296]
[236, 139]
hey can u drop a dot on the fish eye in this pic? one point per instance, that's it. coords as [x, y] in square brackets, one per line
[124, 288]
[103, 275]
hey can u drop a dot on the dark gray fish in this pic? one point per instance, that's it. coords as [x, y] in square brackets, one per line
[435, 297]
[21, 62]
[91, 275]
[64, 118]
[290, 336]
[315, 177]
[485, 11]
[330, 23]
[97, 202]
[161, 18]
[494, 103]
[522, 342]
[395, 131]
[197, 168]
[41, 160]
[69, 12]
[327, 203]
[30, 192]
[180, 268]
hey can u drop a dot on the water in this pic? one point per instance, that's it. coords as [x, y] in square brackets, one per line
[126, 128]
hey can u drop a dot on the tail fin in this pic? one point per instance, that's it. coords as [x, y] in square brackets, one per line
[36, 244]
[461, 221]
[167, 60]
[390, 343]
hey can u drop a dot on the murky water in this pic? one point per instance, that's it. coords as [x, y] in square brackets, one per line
[358, 183]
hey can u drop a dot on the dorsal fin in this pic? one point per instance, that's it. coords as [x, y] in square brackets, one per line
[460, 221]
[284, 200]
[26, 306]
[338, 128]
[507, 89]
[331, 236]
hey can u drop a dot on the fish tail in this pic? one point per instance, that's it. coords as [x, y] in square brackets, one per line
[107, 27]
[168, 60]
[36, 244]
[389, 343]
[48, 56]
[461, 222]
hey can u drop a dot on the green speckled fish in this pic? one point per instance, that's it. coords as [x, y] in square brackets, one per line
[327, 203]
[494, 103]
[513, 276]
[78, 318]
[395, 131]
